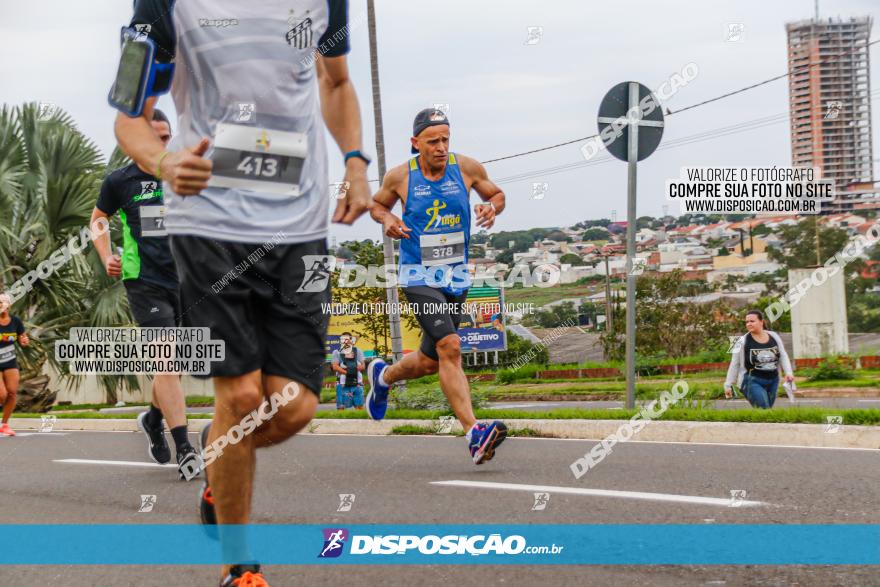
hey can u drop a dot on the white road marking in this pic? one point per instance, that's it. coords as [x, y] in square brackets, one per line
[869, 400]
[694, 499]
[113, 463]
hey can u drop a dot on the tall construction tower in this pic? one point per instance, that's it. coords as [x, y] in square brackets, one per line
[830, 101]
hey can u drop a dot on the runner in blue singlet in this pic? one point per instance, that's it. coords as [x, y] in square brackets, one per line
[435, 231]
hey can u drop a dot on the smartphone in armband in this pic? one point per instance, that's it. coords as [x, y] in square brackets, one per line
[139, 75]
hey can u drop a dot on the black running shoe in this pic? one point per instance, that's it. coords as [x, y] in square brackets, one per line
[157, 447]
[206, 499]
[244, 576]
[189, 463]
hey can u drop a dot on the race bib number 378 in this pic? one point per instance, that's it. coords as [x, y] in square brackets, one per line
[258, 159]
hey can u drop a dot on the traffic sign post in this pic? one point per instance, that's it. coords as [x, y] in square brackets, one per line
[631, 125]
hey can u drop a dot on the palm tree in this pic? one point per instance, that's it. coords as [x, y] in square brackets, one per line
[50, 175]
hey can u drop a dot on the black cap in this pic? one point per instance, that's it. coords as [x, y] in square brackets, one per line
[425, 118]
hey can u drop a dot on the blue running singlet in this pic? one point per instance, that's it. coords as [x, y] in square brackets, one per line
[438, 212]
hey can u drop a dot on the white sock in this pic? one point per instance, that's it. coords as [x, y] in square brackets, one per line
[470, 433]
[382, 376]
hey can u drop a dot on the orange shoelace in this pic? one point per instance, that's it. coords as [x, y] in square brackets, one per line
[208, 496]
[250, 579]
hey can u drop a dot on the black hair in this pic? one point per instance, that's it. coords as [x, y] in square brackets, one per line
[344, 333]
[760, 316]
[159, 116]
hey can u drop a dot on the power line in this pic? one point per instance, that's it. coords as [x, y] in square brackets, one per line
[695, 138]
[767, 81]
[692, 106]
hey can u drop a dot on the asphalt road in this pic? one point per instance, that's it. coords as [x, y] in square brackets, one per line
[395, 481]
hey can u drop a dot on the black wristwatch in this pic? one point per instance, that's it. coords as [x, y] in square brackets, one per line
[359, 155]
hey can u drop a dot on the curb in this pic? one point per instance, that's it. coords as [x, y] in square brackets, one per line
[803, 435]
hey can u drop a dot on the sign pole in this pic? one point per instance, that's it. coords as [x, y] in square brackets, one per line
[621, 108]
[631, 165]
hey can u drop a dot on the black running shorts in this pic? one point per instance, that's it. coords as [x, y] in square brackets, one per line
[247, 295]
[152, 306]
[438, 313]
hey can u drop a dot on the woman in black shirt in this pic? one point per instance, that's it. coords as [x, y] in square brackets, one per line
[757, 359]
[11, 331]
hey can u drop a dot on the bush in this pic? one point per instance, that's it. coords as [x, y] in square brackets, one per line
[518, 347]
[833, 369]
[527, 371]
[430, 397]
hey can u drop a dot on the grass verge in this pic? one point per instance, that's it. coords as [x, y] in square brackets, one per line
[805, 415]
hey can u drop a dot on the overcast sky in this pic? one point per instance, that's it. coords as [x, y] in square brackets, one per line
[505, 96]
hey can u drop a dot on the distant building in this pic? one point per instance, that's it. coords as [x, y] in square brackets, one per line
[830, 103]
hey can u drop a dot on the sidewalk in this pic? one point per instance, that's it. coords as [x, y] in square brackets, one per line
[802, 435]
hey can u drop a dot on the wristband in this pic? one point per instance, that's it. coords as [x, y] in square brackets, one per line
[357, 153]
[159, 164]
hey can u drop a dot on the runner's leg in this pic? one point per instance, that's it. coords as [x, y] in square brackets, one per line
[232, 472]
[10, 382]
[168, 397]
[4, 395]
[290, 418]
[454, 382]
[412, 366]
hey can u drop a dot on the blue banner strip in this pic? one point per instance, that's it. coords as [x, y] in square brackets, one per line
[611, 544]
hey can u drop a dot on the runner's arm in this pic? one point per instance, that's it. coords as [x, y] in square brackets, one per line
[488, 191]
[186, 171]
[342, 115]
[103, 246]
[384, 201]
[22, 336]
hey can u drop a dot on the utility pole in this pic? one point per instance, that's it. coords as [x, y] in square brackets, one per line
[608, 312]
[387, 242]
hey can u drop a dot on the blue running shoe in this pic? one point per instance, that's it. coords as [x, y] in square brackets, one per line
[377, 399]
[485, 438]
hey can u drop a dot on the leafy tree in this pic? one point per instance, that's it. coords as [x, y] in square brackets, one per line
[505, 257]
[480, 238]
[521, 241]
[374, 327]
[587, 313]
[644, 221]
[666, 324]
[476, 251]
[571, 259]
[595, 234]
[559, 236]
[798, 249]
[557, 315]
[602, 222]
[520, 347]
[863, 312]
